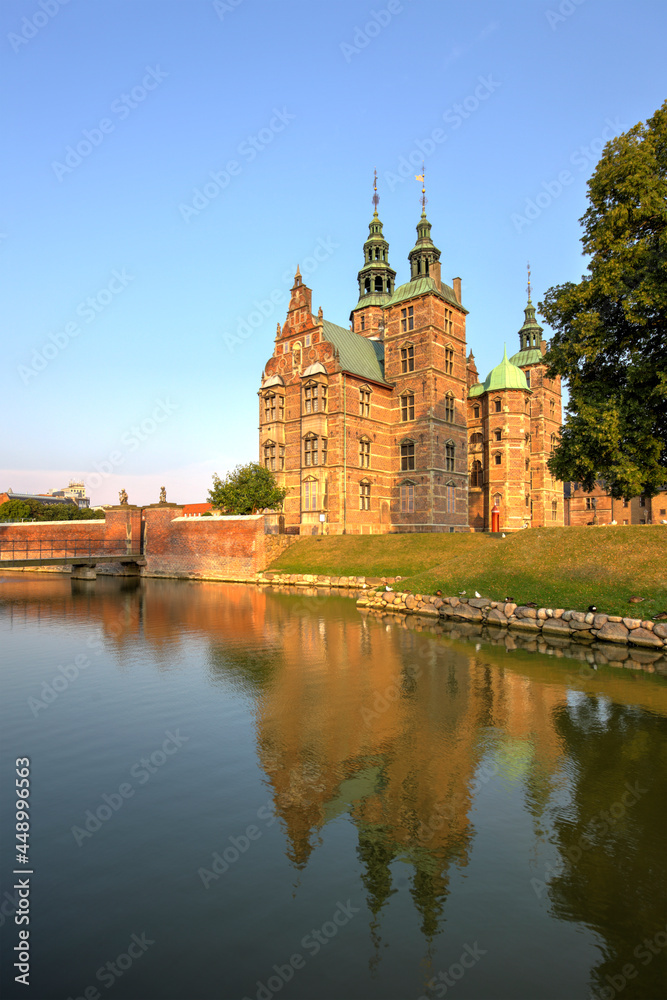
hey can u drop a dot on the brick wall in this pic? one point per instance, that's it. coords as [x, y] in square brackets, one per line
[202, 547]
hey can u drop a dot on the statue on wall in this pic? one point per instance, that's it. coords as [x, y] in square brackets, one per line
[163, 494]
[122, 498]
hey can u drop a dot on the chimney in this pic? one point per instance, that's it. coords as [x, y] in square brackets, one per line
[457, 289]
[434, 271]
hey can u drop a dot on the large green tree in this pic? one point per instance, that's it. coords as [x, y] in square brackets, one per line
[247, 489]
[611, 328]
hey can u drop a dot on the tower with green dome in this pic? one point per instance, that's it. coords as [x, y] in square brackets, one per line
[376, 278]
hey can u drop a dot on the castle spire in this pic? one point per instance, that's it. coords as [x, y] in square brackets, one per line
[376, 277]
[530, 334]
[425, 254]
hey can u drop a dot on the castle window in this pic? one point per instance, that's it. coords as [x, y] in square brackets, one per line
[448, 320]
[364, 453]
[281, 457]
[408, 319]
[309, 494]
[269, 407]
[407, 498]
[270, 455]
[475, 412]
[527, 406]
[364, 402]
[498, 458]
[497, 405]
[450, 455]
[552, 408]
[554, 510]
[528, 438]
[367, 285]
[449, 360]
[364, 495]
[363, 321]
[497, 497]
[408, 406]
[407, 456]
[498, 434]
[451, 498]
[527, 374]
[589, 503]
[476, 438]
[449, 408]
[378, 284]
[314, 397]
[306, 340]
[407, 359]
[642, 501]
[553, 441]
[476, 475]
[527, 499]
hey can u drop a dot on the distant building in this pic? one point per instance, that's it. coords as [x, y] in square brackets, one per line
[196, 509]
[45, 498]
[597, 506]
[76, 491]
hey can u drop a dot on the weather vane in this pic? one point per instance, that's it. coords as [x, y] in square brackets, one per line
[422, 177]
[376, 196]
[529, 281]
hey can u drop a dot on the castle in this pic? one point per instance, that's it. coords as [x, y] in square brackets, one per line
[386, 427]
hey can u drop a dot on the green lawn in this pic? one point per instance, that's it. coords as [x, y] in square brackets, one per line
[555, 567]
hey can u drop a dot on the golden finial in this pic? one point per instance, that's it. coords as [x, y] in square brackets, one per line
[529, 281]
[422, 177]
[376, 197]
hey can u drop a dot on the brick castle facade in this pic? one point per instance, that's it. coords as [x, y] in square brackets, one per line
[386, 427]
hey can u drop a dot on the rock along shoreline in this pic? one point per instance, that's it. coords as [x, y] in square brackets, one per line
[482, 611]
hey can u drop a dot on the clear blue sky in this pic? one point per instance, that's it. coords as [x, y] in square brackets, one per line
[292, 105]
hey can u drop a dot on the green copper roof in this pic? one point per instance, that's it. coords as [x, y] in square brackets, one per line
[357, 355]
[425, 285]
[531, 356]
[503, 376]
[372, 299]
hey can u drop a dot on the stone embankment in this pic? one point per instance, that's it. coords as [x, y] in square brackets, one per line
[547, 621]
[481, 611]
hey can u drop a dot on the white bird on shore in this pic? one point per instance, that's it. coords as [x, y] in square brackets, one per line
[477, 593]
[388, 588]
[503, 535]
[461, 593]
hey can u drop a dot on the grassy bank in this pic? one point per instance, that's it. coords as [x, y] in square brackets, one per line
[554, 567]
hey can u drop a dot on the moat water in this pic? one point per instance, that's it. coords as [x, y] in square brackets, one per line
[239, 793]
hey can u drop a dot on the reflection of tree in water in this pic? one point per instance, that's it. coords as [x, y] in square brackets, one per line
[249, 669]
[611, 837]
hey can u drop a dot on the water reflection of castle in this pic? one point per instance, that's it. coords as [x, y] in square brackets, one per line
[395, 728]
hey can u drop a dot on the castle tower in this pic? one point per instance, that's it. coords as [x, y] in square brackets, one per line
[425, 359]
[499, 446]
[545, 493]
[376, 279]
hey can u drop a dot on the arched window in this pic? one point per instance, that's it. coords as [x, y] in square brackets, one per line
[451, 497]
[476, 438]
[407, 456]
[476, 475]
[554, 510]
[378, 284]
[497, 458]
[367, 285]
[364, 453]
[475, 412]
[497, 434]
[497, 405]
[449, 408]
[450, 456]
[364, 495]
